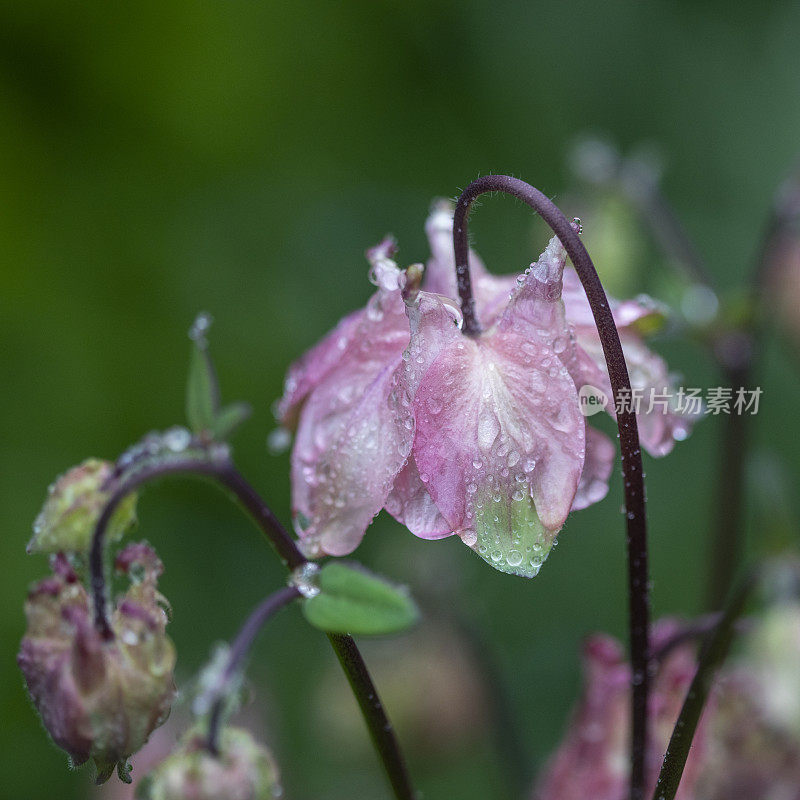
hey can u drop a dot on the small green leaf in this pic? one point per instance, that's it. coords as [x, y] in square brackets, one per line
[352, 600]
[201, 391]
[230, 418]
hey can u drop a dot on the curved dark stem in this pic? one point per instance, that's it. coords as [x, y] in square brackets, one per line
[238, 652]
[638, 587]
[225, 473]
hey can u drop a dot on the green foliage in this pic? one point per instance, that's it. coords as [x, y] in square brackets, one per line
[353, 600]
[202, 399]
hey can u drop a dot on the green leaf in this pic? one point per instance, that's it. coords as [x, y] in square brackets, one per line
[230, 418]
[201, 391]
[352, 600]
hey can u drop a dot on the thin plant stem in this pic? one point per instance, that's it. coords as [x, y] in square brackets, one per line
[636, 521]
[239, 652]
[714, 653]
[737, 355]
[224, 473]
[735, 352]
[643, 192]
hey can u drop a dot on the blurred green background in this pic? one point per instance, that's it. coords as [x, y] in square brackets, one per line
[157, 159]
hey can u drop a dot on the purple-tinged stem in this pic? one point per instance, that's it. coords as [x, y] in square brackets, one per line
[238, 653]
[737, 354]
[638, 585]
[225, 473]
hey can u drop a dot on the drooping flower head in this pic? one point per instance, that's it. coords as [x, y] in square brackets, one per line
[99, 699]
[478, 436]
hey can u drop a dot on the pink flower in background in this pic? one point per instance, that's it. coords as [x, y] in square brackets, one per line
[479, 437]
[747, 745]
[593, 760]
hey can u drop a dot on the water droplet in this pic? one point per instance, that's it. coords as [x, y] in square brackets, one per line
[488, 428]
[306, 579]
[177, 439]
[130, 637]
[278, 441]
[200, 326]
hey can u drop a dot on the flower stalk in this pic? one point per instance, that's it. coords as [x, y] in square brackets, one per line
[238, 653]
[638, 583]
[224, 473]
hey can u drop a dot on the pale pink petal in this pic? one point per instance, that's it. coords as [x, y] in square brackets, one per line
[411, 504]
[346, 482]
[440, 271]
[499, 441]
[597, 466]
[356, 427]
[491, 291]
[660, 418]
[641, 313]
[313, 367]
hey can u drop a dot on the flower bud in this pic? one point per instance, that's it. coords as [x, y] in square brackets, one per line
[73, 506]
[99, 699]
[243, 770]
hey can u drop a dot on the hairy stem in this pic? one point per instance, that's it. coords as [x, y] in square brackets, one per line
[638, 585]
[224, 473]
[238, 653]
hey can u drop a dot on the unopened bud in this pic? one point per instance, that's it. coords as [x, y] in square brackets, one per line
[73, 506]
[243, 769]
[99, 699]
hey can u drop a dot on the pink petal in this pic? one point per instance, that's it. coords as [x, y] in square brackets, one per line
[491, 291]
[411, 504]
[347, 456]
[641, 313]
[497, 426]
[592, 760]
[600, 457]
[355, 428]
[661, 421]
[313, 367]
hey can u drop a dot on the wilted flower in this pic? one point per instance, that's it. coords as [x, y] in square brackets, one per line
[593, 759]
[476, 436]
[243, 770]
[73, 506]
[99, 699]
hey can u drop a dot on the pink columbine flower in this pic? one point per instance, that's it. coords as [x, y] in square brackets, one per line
[480, 437]
[593, 758]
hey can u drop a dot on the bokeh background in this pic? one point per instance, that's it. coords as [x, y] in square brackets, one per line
[158, 159]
